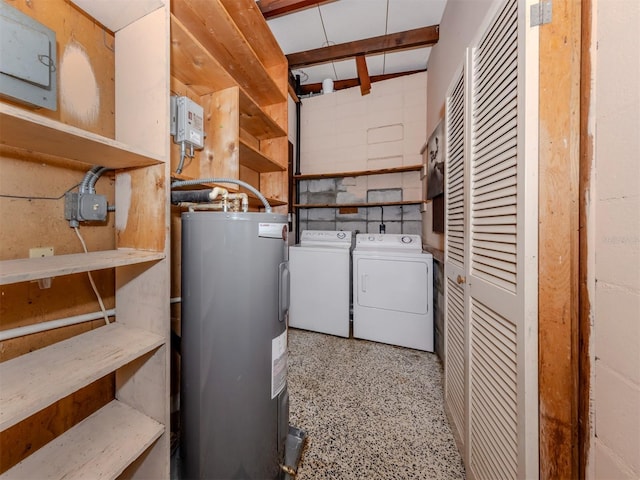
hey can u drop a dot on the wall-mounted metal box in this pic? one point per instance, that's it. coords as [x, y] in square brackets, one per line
[28, 60]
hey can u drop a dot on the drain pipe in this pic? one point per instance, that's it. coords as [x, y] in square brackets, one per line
[297, 169]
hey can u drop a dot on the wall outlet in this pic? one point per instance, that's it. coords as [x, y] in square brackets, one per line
[39, 252]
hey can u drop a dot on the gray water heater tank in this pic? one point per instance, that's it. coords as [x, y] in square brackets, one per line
[235, 297]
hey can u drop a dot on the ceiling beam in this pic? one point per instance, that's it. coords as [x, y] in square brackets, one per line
[276, 8]
[310, 88]
[418, 37]
[363, 75]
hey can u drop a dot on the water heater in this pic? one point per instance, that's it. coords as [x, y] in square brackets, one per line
[235, 299]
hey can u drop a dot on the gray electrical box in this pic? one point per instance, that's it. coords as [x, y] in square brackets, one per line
[28, 59]
[187, 122]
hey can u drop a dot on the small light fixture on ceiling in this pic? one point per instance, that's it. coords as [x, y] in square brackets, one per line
[327, 85]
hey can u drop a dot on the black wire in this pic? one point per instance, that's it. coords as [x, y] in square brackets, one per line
[41, 198]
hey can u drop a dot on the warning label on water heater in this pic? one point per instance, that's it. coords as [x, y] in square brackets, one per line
[278, 364]
[273, 230]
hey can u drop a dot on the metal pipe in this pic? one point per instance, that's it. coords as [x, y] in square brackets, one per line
[53, 324]
[62, 322]
[297, 169]
[255, 191]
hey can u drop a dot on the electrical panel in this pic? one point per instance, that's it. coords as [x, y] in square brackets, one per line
[28, 59]
[187, 122]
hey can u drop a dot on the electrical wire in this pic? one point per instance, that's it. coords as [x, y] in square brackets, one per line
[41, 198]
[93, 284]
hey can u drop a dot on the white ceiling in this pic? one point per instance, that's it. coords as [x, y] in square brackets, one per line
[343, 21]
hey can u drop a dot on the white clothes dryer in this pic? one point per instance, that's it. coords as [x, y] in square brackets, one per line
[320, 269]
[393, 291]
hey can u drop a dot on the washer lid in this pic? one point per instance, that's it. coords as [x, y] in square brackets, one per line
[325, 238]
[388, 241]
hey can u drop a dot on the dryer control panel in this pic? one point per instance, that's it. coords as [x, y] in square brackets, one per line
[388, 241]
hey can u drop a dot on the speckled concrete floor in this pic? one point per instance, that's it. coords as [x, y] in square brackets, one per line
[371, 411]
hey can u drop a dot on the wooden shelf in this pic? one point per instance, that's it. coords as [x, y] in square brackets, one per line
[362, 173]
[27, 269]
[33, 133]
[101, 446]
[256, 160]
[35, 380]
[214, 31]
[255, 121]
[357, 205]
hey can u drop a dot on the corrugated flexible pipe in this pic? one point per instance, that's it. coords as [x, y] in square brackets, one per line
[198, 181]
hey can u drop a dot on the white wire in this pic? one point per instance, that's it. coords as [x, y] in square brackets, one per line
[93, 284]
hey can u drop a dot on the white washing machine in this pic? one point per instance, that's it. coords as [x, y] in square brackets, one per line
[393, 290]
[320, 268]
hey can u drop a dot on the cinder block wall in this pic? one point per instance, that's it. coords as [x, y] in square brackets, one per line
[345, 131]
[615, 250]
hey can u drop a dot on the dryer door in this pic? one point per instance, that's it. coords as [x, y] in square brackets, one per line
[396, 284]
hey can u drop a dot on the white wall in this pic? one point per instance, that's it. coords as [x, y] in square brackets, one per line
[460, 23]
[614, 227]
[346, 131]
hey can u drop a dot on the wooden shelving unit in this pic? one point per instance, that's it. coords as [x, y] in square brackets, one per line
[134, 349]
[356, 205]
[360, 173]
[226, 58]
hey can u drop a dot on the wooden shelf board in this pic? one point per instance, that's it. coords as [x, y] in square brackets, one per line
[101, 446]
[264, 43]
[381, 171]
[357, 205]
[192, 65]
[227, 49]
[27, 269]
[38, 379]
[255, 121]
[256, 160]
[28, 131]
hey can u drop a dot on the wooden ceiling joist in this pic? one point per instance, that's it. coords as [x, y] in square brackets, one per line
[363, 75]
[276, 8]
[352, 82]
[418, 37]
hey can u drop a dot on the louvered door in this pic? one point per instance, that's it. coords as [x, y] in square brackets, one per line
[455, 246]
[499, 228]
[503, 397]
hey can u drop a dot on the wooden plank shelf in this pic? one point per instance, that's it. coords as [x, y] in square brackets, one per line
[27, 269]
[357, 205]
[101, 446]
[34, 133]
[215, 32]
[256, 160]
[361, 173]
[36, 380]
[256, 121]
